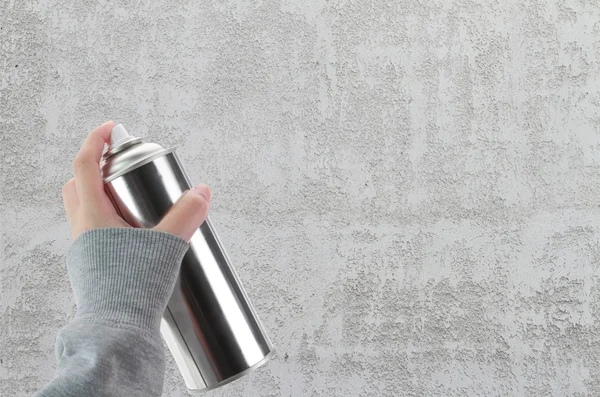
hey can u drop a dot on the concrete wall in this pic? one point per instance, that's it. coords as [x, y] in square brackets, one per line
[410, 190]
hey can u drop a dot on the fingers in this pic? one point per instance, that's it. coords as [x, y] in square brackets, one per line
[70, 199]
[87, 164]
[187, 214]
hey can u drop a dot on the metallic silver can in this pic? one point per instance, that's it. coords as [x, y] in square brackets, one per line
[209, 325]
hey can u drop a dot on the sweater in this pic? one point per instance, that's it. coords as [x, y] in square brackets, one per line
[122, 279]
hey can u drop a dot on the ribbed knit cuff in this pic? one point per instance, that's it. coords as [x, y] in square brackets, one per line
[124, 275]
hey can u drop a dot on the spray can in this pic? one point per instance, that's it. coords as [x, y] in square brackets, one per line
[209, 325]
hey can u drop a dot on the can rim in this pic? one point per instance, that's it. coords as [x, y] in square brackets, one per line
[271, 354]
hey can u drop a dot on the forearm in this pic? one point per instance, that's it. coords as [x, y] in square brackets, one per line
[122, 280]
[96, 358]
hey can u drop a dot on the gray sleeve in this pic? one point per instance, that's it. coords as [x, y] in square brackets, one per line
[122, 280]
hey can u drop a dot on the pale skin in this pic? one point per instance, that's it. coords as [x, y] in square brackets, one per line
[88, 207]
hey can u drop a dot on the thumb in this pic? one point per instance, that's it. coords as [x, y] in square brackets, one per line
[187, 214]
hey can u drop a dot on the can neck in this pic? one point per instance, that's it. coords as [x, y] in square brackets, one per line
[128, 156]
[122, 145]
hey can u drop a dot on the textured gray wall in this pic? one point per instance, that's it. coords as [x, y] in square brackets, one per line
[410, 189]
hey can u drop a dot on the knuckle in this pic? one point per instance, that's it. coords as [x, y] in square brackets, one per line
[79, 161]
[67, 187]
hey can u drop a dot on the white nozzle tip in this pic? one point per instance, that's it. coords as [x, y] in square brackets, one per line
[118, 134]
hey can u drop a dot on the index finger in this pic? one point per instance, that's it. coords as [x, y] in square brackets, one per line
[86, 165]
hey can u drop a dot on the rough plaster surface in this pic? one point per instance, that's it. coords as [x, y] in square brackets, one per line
[410, 190]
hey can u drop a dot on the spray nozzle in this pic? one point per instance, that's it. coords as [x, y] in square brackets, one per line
[119, 135]
[119, 141]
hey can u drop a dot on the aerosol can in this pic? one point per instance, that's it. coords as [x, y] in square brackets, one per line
[209, 325]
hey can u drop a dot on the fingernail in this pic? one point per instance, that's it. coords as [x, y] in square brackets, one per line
[202, 190]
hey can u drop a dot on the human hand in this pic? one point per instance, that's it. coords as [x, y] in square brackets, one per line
[88, 207]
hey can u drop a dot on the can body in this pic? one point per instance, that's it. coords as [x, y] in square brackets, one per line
[209, 325]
